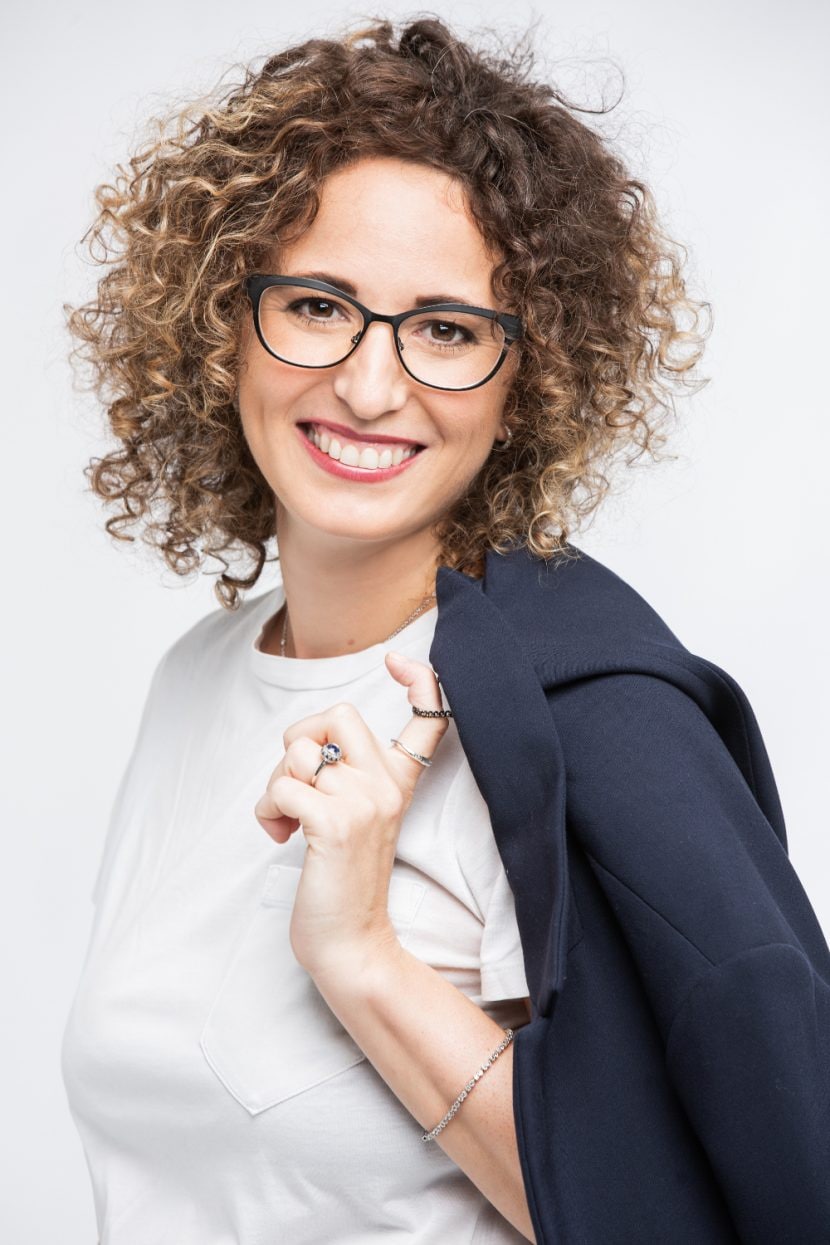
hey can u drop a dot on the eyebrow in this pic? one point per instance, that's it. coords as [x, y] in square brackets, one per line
[424, 300]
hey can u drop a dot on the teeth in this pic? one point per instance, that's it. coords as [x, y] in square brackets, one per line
[368, 457]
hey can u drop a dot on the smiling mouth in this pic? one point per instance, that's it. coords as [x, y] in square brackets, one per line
[369, 457]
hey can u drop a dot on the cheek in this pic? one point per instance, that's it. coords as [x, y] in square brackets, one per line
[475, 430]
[471, 421]
[269, 389]
[251, 378]
[466, 452]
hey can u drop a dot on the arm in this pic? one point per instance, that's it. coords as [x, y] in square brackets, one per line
[427, 1039]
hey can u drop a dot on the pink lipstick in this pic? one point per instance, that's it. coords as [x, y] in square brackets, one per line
[362, 475]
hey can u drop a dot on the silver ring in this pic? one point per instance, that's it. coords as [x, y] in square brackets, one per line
[416, 756]
[331, 754]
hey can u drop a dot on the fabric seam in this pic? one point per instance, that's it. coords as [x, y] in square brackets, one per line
[718, 966]
[651, 907]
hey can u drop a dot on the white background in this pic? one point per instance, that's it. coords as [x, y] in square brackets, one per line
[725, 114]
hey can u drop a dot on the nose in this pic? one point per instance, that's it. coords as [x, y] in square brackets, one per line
[372, 380]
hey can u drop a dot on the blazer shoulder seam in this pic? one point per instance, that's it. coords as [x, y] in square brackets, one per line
[718, 966]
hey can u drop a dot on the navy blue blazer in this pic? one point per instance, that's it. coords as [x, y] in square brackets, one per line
[673, 1084]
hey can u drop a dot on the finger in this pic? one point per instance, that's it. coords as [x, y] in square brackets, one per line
[300, 761]
[287, 803]
[297, 762]
[303, 759]
[421, 735]
[343, 725]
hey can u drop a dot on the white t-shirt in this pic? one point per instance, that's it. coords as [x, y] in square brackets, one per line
[219, 1100]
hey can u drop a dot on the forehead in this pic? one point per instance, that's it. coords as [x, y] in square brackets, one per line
[395, 230]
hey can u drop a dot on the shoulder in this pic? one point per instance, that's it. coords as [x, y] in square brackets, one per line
[194, 668]
[576, 621]
[574, 608]
[637, 713]
[636, 729]
[213, 639]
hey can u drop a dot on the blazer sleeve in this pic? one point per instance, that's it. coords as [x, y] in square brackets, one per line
[728, 948]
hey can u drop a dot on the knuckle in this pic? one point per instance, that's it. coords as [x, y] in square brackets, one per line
[342, 711]
[277, 784]
[292, 758]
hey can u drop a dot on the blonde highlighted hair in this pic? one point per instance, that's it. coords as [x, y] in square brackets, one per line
[584, 263]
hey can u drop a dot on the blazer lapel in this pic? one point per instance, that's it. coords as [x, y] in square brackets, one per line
[510, 741]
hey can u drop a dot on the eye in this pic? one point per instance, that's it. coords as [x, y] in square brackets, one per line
[446, 333]
[322, 308]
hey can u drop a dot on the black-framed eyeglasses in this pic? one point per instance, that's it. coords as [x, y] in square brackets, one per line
[461, 348]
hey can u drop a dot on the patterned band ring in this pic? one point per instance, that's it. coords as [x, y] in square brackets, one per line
[416, 756]
[331, 754]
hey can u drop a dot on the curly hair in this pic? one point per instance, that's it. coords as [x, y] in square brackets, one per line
[584, 262]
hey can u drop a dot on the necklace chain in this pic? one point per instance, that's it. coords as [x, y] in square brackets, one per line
[419, 610]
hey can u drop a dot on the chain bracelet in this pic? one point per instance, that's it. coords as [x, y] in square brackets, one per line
[507, 1039]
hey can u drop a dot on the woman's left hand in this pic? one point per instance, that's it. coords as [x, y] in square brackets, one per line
[351, 819]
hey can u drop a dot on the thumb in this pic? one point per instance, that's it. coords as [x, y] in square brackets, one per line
[418, 677]
[402, 668]
[421, 735]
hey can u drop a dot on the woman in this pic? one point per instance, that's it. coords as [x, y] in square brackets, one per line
[537, 965]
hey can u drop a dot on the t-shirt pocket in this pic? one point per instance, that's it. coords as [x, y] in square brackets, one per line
[270, 1034]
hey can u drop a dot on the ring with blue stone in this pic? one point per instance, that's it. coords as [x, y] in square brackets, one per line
[331, 753]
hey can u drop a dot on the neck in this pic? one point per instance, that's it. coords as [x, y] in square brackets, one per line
[344, 596]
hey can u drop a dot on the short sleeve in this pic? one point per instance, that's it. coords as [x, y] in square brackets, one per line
[502, 961]
[467, 816]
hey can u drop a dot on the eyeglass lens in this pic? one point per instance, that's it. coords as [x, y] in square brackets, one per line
[453, 350]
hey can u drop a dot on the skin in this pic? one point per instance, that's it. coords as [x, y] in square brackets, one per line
[356, 560]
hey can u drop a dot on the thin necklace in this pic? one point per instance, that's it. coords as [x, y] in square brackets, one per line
[420, 609]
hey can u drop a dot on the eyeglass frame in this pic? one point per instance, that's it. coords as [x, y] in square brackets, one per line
[257, 283]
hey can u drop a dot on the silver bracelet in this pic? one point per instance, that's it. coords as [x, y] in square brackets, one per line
[508, 1038]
